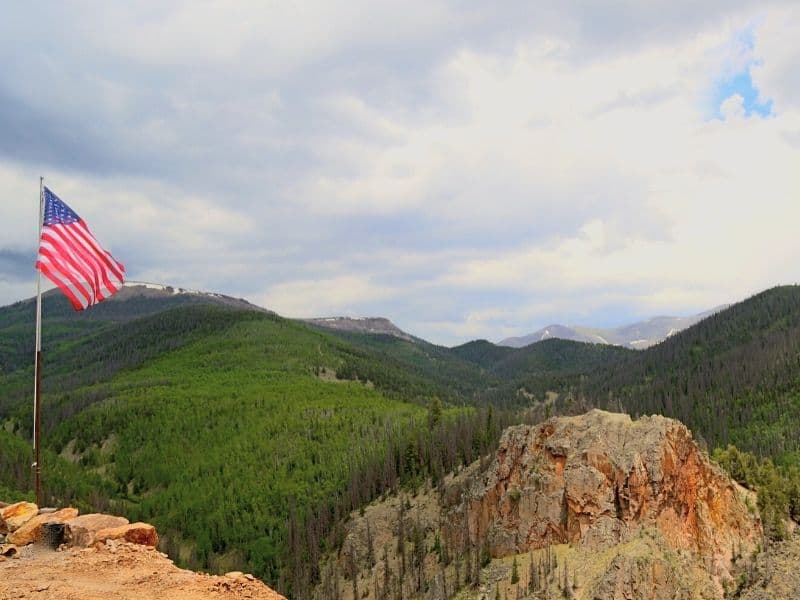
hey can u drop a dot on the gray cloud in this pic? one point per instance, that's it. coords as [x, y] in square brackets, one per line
[249, 110]
[15, 265]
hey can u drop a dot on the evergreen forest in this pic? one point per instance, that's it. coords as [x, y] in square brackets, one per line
[248, 439]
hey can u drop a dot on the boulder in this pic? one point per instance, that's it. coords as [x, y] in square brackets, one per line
[31, 530]
[135, 533]
[13, 516]
[81, 531]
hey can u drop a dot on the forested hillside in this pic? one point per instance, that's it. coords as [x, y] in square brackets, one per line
[482, 353]
[247, 438]
[17, 321]
[228, 429]
[401, 366]
[733, 378]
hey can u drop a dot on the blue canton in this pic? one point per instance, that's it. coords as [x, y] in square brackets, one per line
[56, 212]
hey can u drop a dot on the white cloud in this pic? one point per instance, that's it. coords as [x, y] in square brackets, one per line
[776, 74]
[465, 173]
[323, 297]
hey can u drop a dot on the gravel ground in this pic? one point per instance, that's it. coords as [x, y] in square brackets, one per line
[116, 571]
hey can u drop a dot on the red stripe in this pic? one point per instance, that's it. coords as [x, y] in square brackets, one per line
[71, 256]
[66, 253]
[55, 265]
[91, 261]
[114, 266]
[62, 286]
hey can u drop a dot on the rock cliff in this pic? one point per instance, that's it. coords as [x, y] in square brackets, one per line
[592, 506]
[598, 479]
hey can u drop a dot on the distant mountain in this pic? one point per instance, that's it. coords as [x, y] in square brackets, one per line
[152, 293]
[638, 336]
[561, 332]
[146, 395]
[482, 352]
[374, 325]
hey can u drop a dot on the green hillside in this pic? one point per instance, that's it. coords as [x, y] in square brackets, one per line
[62, 323]
[403, 367]
[246, 437]
[733, 378]
[219, 424]
[482, 352]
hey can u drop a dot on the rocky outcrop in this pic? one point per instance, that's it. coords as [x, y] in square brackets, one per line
[81, 531]
[103, 556]
[135, 533]
[31, 529]
[13, 516]
[118, 570]
[599, 479]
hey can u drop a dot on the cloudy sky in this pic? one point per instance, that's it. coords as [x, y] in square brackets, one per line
[466, 171]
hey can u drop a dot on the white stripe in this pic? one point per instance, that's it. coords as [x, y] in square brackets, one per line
[53, 267]
[98, 249]
[58, 250]
[56, 275]
[101, 267]
[65, 265]
[56, 231]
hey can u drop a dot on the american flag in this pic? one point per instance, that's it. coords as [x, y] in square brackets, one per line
[70, 257]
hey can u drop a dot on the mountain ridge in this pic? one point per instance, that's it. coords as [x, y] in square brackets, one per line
[638, 335]
[370, 325]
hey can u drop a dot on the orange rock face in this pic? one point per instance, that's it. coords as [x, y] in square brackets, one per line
[13, 516]
[135, 533]
[598, 479]
[32, 528]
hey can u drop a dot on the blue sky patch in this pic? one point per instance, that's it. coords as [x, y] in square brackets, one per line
[735, 78]
[740, 83]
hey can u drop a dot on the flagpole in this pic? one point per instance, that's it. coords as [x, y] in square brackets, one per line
[37, 384]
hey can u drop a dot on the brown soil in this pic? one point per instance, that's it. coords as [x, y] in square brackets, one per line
[777, 574]
[115, 571]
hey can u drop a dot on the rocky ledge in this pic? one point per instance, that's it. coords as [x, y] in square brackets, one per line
[99, 556]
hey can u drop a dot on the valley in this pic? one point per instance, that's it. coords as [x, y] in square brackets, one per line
[255, 442]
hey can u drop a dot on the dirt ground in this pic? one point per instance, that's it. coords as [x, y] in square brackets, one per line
[115, 570]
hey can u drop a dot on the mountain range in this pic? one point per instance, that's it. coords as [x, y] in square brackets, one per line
[290, 426]
[638, 335]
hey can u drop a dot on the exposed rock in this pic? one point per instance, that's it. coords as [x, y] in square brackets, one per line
[131, 572]
[599, 479]
[81, 530]
[597, 506]
[370, 325]
[13, 516]
[135, 533]
[32, 528]
[8, 550]
[631, 578]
